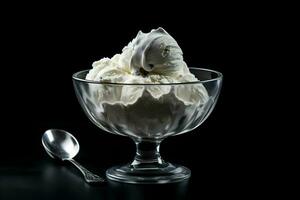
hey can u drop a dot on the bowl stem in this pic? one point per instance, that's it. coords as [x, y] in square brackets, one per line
[148, 167]
[148, 155]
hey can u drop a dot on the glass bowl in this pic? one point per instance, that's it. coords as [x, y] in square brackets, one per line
[149, 113]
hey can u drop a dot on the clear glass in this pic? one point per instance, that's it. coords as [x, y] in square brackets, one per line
[155, 112]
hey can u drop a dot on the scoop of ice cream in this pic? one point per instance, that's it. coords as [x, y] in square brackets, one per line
[153, 107]
[154, 56]
[150, 58]
[156, 52]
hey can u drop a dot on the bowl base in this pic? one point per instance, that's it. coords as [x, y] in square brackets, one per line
[170, 173]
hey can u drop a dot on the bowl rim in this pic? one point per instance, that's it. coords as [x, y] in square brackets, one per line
[219, 77]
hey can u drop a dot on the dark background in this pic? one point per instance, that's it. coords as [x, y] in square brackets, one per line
[45, 45]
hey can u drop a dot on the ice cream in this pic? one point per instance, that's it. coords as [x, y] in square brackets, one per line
[150, 58]
[155, 59]
[157, 52]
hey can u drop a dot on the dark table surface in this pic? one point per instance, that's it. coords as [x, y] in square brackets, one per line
[30, 173]
[45, 179]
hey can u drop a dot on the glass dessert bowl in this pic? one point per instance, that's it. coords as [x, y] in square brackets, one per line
[151, 113]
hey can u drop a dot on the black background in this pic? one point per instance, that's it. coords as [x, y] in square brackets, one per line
[44, 45]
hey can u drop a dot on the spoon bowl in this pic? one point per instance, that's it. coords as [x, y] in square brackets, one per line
[60, 144]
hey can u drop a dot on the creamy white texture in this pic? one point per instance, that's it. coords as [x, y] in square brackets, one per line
[150, 58]
[157, 52]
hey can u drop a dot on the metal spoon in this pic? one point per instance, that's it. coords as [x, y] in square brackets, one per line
[60, 144]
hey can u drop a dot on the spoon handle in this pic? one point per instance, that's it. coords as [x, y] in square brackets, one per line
[88, 176]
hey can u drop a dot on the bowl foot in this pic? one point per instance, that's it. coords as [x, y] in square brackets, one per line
[170, 173]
